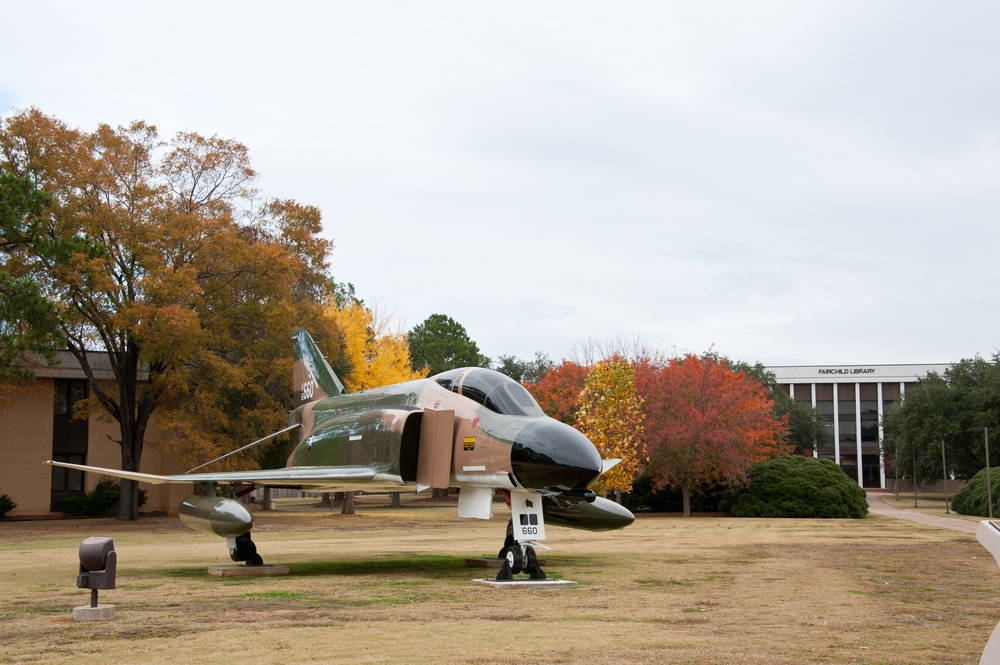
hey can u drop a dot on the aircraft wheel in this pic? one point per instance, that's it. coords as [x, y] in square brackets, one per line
[509, 540]
[246, 551]
[515, 558]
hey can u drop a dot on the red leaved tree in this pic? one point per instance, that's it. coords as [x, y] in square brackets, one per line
[705, 423]
[558, 393]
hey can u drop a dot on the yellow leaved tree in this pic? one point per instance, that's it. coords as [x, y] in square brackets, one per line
[611, 416]
[378, 354]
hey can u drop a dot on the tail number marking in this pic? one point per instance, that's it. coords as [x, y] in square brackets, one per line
[308, 389]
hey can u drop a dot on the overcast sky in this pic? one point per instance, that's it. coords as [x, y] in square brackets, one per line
[785, 182]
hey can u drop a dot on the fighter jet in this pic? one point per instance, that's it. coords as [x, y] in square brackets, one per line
[470, 428]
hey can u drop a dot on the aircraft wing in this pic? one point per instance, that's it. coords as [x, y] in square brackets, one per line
[299, 476]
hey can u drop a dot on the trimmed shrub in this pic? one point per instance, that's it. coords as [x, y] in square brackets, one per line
[102, 500]
[796, 486]
[971, 499]
[7, 504]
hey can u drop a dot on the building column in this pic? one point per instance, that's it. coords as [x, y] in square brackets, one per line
[857, 428]
[836, 426]
[881, 437]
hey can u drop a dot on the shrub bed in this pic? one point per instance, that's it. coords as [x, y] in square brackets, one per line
[972, 500]
[102, 500]
[796, 486]
[7, 504]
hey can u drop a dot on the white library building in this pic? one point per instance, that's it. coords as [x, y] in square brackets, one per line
[853, 400]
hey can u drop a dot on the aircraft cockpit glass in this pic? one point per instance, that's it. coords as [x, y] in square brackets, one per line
[493, 390]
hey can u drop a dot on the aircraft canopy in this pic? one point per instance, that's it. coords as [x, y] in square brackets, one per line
[493, 390]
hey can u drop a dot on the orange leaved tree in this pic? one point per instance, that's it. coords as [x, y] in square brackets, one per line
[705, 423]
[558, 392]
[163, 256]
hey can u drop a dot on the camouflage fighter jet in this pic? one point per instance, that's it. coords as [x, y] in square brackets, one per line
[470, 428]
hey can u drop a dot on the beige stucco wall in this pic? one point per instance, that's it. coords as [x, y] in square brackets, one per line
[26, 443]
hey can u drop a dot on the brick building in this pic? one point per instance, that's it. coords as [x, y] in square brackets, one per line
[36, 425]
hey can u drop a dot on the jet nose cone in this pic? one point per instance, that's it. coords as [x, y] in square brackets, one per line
[553, 457]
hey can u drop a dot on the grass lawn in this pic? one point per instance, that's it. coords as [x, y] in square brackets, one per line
[391, 586]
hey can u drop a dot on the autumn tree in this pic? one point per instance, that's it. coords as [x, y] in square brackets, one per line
[378, 354]
[558, 391]
[706, 423]
[611, 416]
[163, 256]
[440, 343]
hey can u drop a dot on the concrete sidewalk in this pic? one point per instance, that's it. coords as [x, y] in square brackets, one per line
[879, 507]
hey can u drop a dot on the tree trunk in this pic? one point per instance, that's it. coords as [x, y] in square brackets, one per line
[686, 494]
[128, 500]
[131, 445]
[348, 508]
[132, 412]
[267, 498]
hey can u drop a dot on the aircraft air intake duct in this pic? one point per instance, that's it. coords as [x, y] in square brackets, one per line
[216, 515]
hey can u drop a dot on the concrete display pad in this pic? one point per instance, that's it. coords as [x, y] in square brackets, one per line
[248, 571]
[88, 613]
[527, 584]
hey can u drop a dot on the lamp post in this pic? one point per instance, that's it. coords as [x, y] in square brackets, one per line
[944, 465]
[989, 477]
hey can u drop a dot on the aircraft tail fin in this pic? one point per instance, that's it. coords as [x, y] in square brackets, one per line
[313, 378]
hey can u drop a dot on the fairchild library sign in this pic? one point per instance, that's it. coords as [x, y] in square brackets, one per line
[846, 370]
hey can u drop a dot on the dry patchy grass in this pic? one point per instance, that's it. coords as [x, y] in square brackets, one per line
[390, 586]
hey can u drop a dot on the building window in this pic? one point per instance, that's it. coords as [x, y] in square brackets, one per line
[67, 481]
[69, 440]
[846, 417]
[869, 416]
[824, 404]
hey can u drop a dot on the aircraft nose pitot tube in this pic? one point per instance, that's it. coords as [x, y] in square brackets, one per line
[552, 457]
[223, 517]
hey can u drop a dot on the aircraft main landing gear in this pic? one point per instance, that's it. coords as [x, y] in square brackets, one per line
[242, 548]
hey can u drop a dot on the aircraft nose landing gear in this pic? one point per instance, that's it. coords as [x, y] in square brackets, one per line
[527, 523]
[520, 558]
